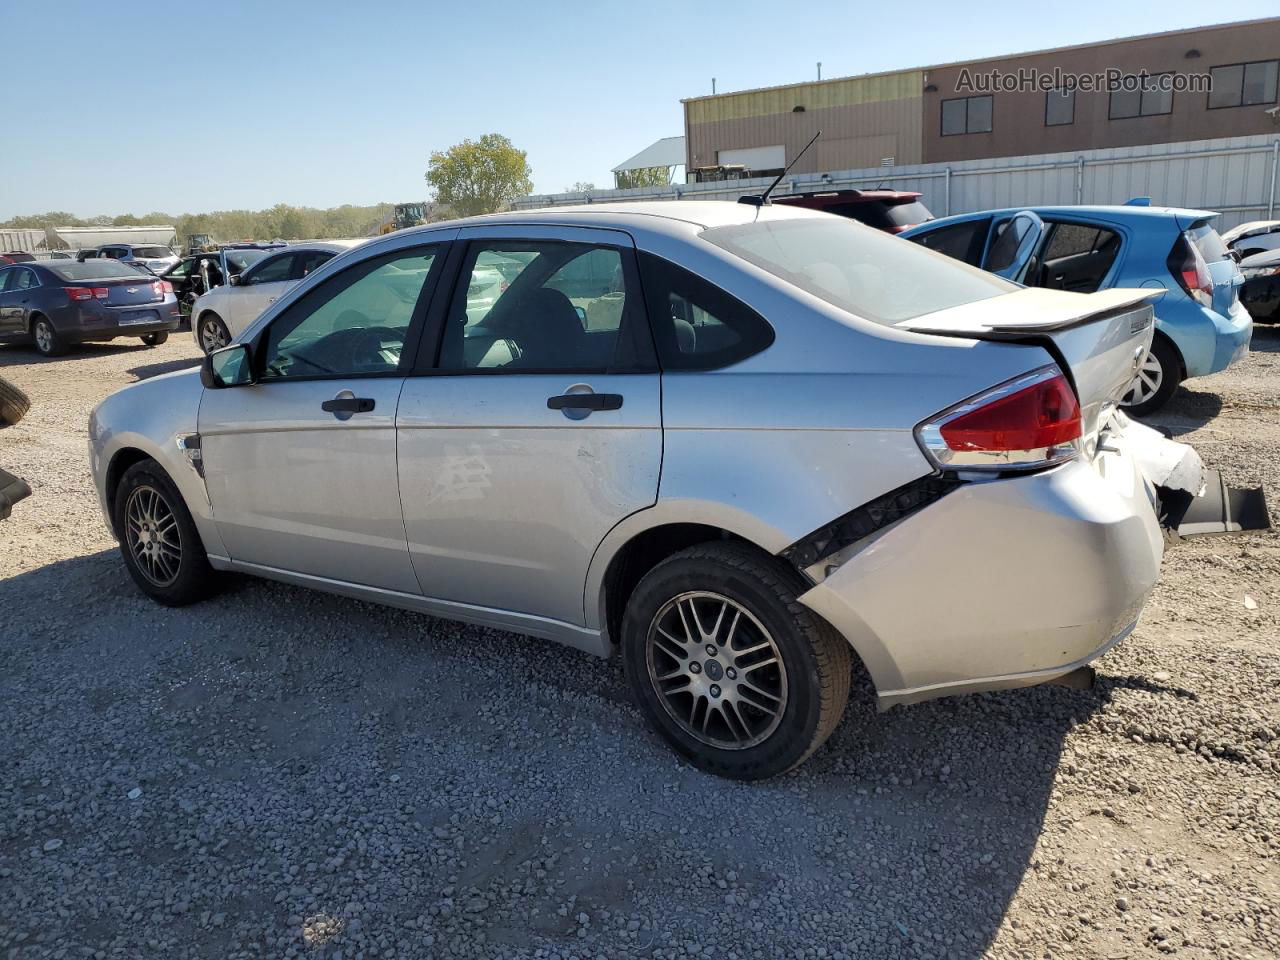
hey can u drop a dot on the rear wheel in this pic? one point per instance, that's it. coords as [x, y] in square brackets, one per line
[155, 339]
[733, 672]
[46, 338]
[1157, 379]
[158, 538]
[214, 334]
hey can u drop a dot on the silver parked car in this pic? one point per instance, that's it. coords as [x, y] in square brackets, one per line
[737, 446]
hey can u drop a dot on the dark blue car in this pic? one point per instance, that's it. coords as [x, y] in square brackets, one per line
[56, 303]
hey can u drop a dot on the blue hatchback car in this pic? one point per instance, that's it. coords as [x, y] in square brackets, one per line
[1201, 326]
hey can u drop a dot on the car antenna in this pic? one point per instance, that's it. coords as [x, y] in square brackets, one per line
[763, 199]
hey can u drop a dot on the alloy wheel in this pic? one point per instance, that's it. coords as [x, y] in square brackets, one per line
[1146, 383]
[44, 336]
[716, 670]
[153, 537]
[212, 336]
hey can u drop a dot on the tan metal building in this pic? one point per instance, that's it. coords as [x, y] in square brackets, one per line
[864, 121]
[1221, 80]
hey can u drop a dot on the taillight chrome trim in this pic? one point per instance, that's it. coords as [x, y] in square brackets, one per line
[928, 434]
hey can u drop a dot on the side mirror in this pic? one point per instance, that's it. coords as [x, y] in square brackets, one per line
[235, 280]
[227, 367]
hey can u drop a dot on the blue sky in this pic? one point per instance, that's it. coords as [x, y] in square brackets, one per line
[324, 103]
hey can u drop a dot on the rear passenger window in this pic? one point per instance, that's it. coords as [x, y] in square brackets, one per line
[544, 306]
[961, 241]
[696, 325]
[1077, 257]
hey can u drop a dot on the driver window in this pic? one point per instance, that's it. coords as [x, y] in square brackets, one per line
[272, 271]
[355, 324]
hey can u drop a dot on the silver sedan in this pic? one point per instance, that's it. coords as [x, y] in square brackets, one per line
[740, 447]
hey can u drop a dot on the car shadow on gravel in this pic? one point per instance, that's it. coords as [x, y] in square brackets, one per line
[148, 370]
[17, 354]
[909, 832]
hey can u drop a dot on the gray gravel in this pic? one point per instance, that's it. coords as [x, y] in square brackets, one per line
[278, 773]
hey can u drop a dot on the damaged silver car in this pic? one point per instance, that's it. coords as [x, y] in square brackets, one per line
[737, 446]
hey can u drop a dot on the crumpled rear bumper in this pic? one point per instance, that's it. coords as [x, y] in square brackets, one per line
[1013, 581]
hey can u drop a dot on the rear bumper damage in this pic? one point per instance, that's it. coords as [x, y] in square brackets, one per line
[1024, 579]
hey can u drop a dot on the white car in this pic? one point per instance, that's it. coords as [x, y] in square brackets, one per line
[154, 257]
[1254, 237]
[220, 315]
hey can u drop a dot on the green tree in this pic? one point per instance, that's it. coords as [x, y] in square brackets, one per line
[643, 177]
[480, 176]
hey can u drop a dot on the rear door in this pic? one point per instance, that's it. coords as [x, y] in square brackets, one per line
[10, 311]
[538, 428]
[1012, 245]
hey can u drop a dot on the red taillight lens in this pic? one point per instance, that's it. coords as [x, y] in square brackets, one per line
[1029, 422]
[1189, 268]
[166, 287]
[101, 293]
[78, 293]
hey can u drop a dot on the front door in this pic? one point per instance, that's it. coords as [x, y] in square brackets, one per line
[17, 293]
[259, 287]
[539, 427]
[301, 464]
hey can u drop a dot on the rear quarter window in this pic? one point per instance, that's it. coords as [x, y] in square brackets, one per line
[1208, 241]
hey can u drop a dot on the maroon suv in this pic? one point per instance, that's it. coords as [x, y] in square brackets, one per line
[890, 210]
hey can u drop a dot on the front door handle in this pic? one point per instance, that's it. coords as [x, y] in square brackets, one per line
[585, 401]
[348, 405]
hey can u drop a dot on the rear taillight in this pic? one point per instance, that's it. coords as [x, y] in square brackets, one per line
[1189, 268]
[1027, 423]
[85, 293]
[166, 287]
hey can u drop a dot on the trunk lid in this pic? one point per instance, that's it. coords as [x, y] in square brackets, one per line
[1099, 339]
[131, 291]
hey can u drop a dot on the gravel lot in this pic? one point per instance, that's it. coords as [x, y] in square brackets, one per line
[281, 773]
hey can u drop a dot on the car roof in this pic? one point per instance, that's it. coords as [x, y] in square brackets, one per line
[670, 217]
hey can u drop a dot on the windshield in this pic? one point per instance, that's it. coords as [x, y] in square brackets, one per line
[93, 270]
[869, 273]
[1208, 242]
[907, 214]
[151, 253]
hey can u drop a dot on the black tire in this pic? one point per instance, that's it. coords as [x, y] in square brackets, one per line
[192, 578]
[817, 661]
[155, 339]
[210, 329]
[1169, 374]
[46, 339]
[14, 404]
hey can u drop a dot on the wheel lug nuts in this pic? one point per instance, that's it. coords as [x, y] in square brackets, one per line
[695, 668]
[715, 690]
[731, 673]
[711, 650]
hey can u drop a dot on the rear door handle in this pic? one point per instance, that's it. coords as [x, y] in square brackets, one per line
[348, 405]
[585, 401]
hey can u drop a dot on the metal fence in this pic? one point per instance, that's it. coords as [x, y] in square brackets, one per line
[1235, 176]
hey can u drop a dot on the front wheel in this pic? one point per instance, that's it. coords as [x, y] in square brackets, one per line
[729, 668]
[155, 339]
[214, 334]
[158, 539]
[1157, 379]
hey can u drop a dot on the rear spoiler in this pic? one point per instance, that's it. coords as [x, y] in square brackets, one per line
[1038, 311]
